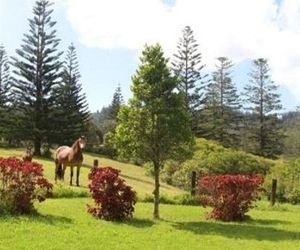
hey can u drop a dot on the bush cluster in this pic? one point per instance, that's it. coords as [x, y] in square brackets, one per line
[287, 174]
[103, 150]
[210, 158]
[182, 199]
[231, 196]
[21, 183]
[114, 200]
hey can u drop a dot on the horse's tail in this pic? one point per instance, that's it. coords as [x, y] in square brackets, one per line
[58, 170]
[58, 166]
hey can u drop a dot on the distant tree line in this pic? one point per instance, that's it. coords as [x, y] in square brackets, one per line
[248, 120]
[41, 97]
[45, 94]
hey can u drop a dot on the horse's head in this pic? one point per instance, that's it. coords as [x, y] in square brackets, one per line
[82, 142]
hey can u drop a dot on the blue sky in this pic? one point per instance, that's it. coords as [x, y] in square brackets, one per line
[109, 39]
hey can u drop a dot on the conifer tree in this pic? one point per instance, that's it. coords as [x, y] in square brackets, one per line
[37, 73]
[5, 93]
[188, 66]
[109, 115]
[73, 113]
[264, 104]
[221, 112]
[116, 103]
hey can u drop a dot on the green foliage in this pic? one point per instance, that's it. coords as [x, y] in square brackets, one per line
[221, 117]
[288, 180]
[213, 159]
[263, 101]
[187, 65]
[7, 119]
[37, 74]
[62, 191]
[93, 134]
[291, 124]
[116, 103]
[72, 113]
[107, 118]
[155, 125]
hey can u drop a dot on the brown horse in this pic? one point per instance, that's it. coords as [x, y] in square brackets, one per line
[69, 156]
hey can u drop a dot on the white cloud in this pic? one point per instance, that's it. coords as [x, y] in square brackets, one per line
[239, 29]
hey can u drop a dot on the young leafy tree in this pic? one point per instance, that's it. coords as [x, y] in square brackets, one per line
[155, 125]
[187, 65]
[264, 103]
[5, 93]
[222, 107]
[37, 72]
[73, 112]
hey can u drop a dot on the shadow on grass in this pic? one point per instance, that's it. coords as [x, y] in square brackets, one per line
[36, 217]
[236, 231]
[138, 223]
[265, 222]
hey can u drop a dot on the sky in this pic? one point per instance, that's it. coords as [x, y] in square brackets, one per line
[109, 36]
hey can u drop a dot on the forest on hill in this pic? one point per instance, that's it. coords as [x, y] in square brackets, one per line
[174, 101]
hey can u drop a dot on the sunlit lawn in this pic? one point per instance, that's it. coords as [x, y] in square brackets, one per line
[65, 224]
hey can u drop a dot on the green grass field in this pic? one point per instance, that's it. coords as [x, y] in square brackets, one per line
[134, 175]
[65, 224]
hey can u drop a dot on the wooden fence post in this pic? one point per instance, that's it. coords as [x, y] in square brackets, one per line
[273, 192]
[96, 164]
[193, 182]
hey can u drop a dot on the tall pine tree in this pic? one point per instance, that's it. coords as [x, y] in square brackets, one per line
[264, 104]
[116, 103]
[37, 70]
[5, 93]
[221, 114]
[73, 113]
[188, 67]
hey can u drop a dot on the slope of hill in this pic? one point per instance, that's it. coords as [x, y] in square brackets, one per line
[134, 175]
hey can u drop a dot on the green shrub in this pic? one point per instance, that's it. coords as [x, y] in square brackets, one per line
[103, 150]
[288, 180]
[210, 158]
[163, 199]
[184, 199]
[61, 191]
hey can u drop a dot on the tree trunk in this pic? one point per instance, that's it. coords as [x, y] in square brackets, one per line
[156, 191]
[37, 147]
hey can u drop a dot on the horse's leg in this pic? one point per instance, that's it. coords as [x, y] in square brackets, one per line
[55, 174]
[71, 177]
[77, 175]
[63, 172]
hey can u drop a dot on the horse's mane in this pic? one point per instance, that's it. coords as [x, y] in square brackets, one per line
[76, 146]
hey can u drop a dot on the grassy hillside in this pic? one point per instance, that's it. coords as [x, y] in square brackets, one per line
[65, 224]
[134, 175]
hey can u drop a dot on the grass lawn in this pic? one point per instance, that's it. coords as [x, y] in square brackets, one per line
[65, 224]
[134, 175]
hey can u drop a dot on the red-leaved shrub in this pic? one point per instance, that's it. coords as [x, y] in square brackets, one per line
[114, 200]
[231, 196]
[21, 183]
